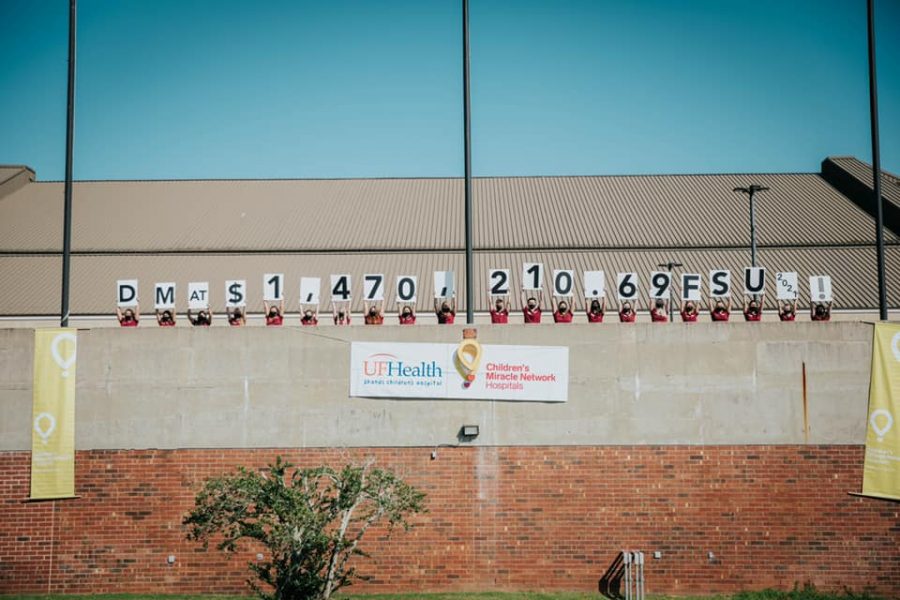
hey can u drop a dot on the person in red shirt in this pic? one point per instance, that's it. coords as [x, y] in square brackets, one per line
[720, 311]
[340, 314]
[374, 313]
[820, 311]
[595, 310]
[274, 314]
[166, 318]
[753, 309]
[659, 312]
[310, 317]
[129, 317]
[562, 314]
[203, 318]
[445, 311]
[689, 312]
[407, 315]
[787, 311]
[531, 309]
[236, 317]
[627, 313]
[500, 311]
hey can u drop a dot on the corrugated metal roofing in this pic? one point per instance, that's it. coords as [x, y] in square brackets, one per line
[31, 284]
[890, 183]
[427, 214]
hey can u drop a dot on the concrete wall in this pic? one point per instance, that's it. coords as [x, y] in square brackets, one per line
[702, 383]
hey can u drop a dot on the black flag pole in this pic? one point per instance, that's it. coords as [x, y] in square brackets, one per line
[70, 135]
[467, 119]
[876, 163]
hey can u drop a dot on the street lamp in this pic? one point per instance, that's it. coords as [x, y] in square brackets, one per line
[750, 191]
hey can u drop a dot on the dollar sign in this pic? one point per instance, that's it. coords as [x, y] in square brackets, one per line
[235, 292]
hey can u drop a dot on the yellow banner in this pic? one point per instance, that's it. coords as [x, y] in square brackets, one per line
[881, 475]
[53, 414]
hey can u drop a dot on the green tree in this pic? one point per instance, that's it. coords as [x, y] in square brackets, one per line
[310, 520]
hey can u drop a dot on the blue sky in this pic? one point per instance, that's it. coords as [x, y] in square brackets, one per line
[363, 88]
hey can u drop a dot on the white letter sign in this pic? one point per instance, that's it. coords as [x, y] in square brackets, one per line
[660, 285]
[627, 284]
[532, 276]
[690, 286]
[564, 283]
[309, 290]
[443, 284]
[406, 288]
[594, 284]
[273, 287]
[164, 295]
[235, 293]
[786, 286]
[719, 283]
[198, 295]
[820, 288]
[340, 288]
[498, 282]
[127, 292]
[373, 286]
[754, 280]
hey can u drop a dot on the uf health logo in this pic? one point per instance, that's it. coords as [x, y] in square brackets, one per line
[390, 365]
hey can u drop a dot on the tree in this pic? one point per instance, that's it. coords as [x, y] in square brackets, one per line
[310, 520]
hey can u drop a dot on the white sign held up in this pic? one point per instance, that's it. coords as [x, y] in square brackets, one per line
[373, 286]
[309, 290]
[198, 295]
[443, 284]
[594, 284]
[498, 282]
[273, 287]
[719, 283]
[235, 293]
[406, 288]
[564, 283]
[164, 295]
[660, 285]
[340, 288]
[820, 288]
[627, 286]
[786, 286]
[127, 292]
[532, 276]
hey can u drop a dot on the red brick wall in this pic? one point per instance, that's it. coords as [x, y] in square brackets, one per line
[500, 518]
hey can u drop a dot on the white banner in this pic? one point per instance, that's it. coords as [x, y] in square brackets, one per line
[518, 373]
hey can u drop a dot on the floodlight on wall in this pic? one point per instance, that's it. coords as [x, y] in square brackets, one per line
[469, 431]
[170, 559]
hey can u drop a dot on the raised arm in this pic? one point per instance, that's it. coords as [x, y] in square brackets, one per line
[137, 311]
[119, 314]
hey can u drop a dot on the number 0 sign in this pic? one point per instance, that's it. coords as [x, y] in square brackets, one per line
[563, 283]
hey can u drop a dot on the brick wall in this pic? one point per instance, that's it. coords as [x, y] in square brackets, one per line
[500, 518]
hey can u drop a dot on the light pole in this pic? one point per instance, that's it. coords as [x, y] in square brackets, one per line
[750, 191]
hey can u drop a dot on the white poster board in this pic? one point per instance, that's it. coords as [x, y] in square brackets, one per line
[273, 287]
[198, 295]
[627, 286]
[660, 285]
[235, 293]
[786, 286]
[498, 282]
[820, 288]
[532, 276]
[690, 286]
[341, 288]
[406, 288]
[754, 280]
[164, 295]
[373, 287]
[309, 290]
[564, 283]
[127, 292]
[594, 284]
[720, 283]
[443, 284]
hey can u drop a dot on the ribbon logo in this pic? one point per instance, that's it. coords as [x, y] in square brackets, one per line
[879, 430]
[64, 363]
[468, 357]
[44, 434]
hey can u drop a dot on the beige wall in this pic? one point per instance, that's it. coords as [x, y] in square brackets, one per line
[702, 383]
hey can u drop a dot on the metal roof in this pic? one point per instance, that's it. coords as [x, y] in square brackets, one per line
[185, 231]
[426, 214]
[890, 183]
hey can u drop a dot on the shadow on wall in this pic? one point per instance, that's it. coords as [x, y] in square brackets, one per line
[611, 583]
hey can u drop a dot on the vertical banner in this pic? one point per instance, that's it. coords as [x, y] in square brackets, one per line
[53, 414]
[881, 473]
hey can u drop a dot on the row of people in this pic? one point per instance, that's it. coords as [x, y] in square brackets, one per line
[719, 309]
